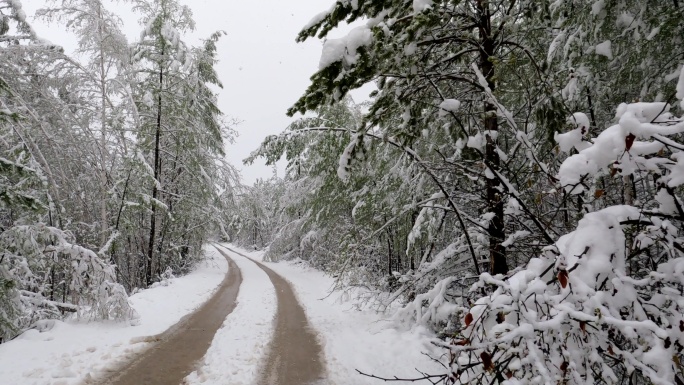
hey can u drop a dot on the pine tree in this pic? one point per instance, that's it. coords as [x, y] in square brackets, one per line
[161, 54]
[442, 66]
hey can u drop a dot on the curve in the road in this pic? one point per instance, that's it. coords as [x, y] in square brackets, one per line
[174, 356]
[295, 356]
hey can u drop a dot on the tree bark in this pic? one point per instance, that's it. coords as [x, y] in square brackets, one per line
[496, 229]
[157, 171]
[389, 257]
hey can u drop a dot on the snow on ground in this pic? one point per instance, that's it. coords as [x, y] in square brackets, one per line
[354, 339]
[73, 351]
[239, 346]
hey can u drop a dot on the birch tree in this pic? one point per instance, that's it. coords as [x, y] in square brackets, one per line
[98, 31]
[43, 268]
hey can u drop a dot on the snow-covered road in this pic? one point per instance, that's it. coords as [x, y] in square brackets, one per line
[295, 356]
[235, 355]
[175, 353]
[351, 339]
[73, 352]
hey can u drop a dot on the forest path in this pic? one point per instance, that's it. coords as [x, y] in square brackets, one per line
[295, 357]
[176, 351]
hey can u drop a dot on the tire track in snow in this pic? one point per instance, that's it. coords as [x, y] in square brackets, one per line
[240, 345]
[176, 351]
[295, 356]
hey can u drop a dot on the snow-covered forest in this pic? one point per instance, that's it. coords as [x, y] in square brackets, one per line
[112, 169]
[513, 183]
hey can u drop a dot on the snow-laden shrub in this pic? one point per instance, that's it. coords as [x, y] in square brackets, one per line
[167, 276]
[43, 275]
[605, 304]
[435, 308]
[286, 243]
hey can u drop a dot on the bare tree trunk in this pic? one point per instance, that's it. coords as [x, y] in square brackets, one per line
[389, 257]
[629, 200]
[157, 173]
[496, 230]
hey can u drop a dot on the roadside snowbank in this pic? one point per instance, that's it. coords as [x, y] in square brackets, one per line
[71, 352]
[355, 339]
[239, 346]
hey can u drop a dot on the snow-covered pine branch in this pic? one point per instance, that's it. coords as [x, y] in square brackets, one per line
[594, 306]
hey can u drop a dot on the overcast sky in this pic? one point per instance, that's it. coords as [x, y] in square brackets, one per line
[262, 69]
